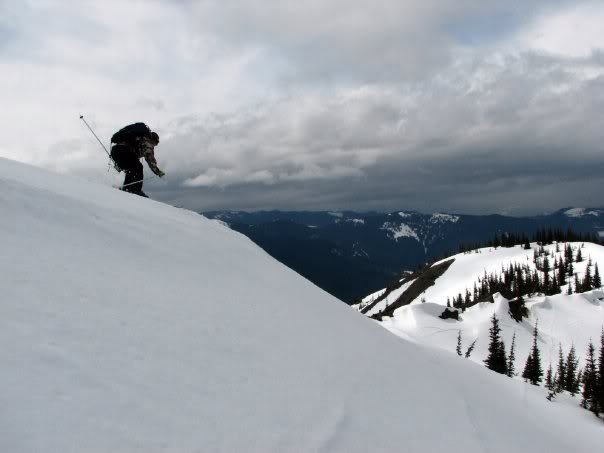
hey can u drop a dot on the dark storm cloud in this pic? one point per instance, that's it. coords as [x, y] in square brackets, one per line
[517, 135]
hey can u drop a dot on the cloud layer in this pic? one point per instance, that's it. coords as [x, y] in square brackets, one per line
[452, 105]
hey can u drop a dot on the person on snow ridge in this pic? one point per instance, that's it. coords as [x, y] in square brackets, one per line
[129, 145]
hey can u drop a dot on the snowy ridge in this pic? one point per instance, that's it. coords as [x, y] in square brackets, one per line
[400, 231]
[138, 327]
[387, 300]
[356, 221]
[426, 230]
[443, 218]
[580, 212]
[563, 319]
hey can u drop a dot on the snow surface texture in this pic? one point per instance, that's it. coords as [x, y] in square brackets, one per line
[562, 319]
[132, 326]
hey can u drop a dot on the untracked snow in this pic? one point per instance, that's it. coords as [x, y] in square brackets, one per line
[563, 320]
[129, 325]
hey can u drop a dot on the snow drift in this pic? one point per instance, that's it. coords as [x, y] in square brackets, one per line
[129, 325]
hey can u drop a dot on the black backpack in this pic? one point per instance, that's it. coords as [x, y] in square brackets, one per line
[131, 132]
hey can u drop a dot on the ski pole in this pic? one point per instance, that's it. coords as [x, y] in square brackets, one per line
[95, 136]
[140, 180]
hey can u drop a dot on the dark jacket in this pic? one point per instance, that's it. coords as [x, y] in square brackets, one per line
[144, 147]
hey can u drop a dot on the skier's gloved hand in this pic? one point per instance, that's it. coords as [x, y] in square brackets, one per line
[161, 174]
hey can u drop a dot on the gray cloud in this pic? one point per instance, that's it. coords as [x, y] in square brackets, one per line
[357, 40]
[499, 139]
[432, 105]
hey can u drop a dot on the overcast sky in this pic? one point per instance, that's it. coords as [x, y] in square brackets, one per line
[469, 106]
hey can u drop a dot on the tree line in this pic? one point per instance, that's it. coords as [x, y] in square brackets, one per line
[567, 377]
[541, 236]
[551, 271]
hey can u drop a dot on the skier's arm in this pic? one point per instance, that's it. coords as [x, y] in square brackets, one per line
[148, 154]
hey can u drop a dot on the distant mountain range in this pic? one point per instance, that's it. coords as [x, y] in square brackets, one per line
[351, 254]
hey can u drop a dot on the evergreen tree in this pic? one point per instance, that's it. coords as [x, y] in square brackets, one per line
[470, 349]
[587, 281]
[496, 359]
[528, 366]
[554, 287]
[590, 385]
[538, 371]
[546, 270]
[561, 373]
[550, 383]
[571, 380]
[597, 281]
[568, 254]
[467, 301]
[511, 368]
[579, 255]
[600, 378]
[459, 302]
[533, 368]
[561, 273]
[458, 349]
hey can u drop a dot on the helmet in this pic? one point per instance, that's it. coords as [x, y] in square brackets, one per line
[155, 138]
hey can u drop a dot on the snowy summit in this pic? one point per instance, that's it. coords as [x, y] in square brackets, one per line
[130, 325]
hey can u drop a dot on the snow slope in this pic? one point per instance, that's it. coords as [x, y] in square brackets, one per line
[562, 319]
[132, 326]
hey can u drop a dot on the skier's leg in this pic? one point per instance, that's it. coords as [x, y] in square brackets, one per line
[132, 167]
[134, 175]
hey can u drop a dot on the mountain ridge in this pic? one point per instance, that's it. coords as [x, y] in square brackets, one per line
[369, 250]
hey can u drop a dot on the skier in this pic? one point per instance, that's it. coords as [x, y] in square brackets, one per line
[129, 145]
